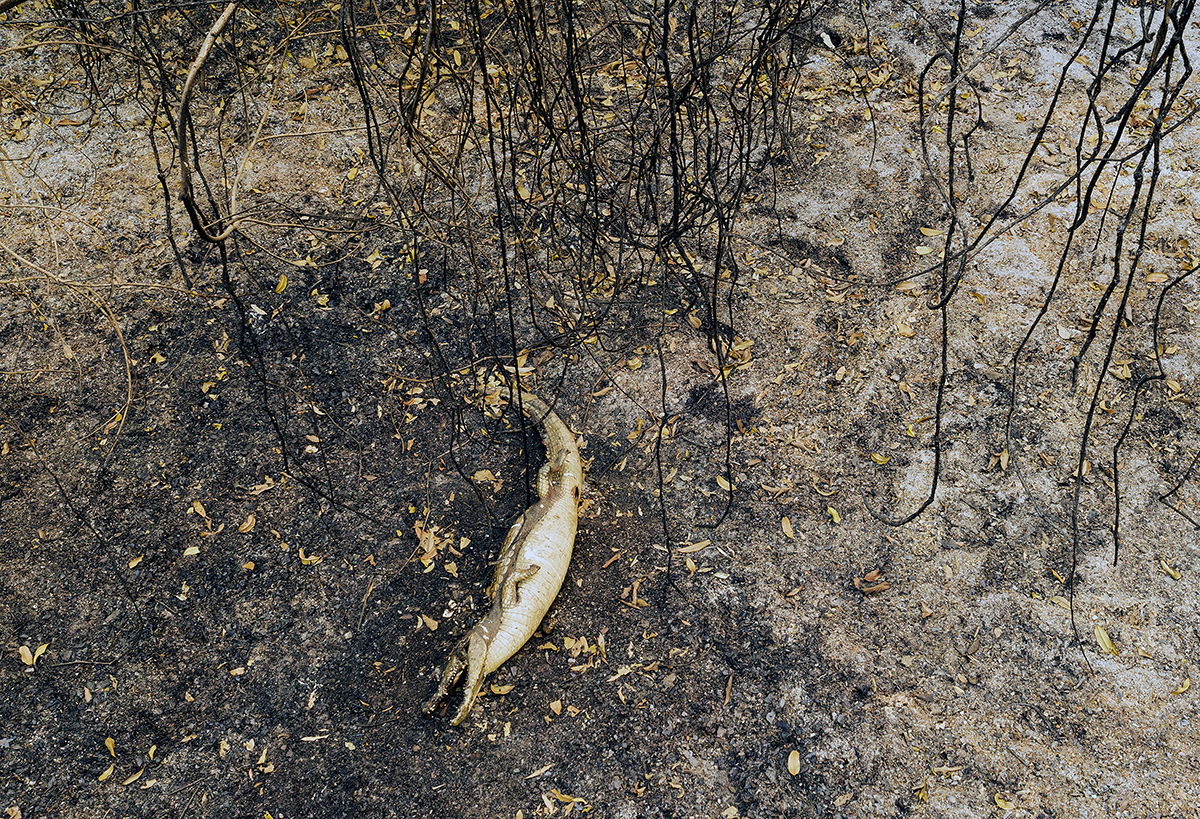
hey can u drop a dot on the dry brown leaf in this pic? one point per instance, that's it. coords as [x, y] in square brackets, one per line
[540, 771]
[881, 586]
[263, 487]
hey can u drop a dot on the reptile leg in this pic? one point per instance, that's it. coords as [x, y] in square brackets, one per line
[549, 474]
[510, 597]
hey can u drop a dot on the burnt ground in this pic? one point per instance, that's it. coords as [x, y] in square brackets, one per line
[247, 519]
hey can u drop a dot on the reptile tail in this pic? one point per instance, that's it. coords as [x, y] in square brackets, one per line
[534, 408]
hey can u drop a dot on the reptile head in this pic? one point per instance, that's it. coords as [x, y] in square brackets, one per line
[469, 655]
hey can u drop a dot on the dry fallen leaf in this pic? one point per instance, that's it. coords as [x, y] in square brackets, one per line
[263, 487]
[787, 528]
[1106, 643]
[540, 771]
[39, 651]
[248, 523]
[794, 762]
[881, 586]
[107, 773]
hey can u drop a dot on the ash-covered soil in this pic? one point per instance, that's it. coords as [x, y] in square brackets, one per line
[244, 521]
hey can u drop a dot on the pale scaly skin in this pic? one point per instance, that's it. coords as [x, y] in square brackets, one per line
[533, 562]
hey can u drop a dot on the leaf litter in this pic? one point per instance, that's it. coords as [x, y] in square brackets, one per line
[840, 647]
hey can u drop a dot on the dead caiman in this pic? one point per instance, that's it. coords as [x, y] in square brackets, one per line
[533, 562]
